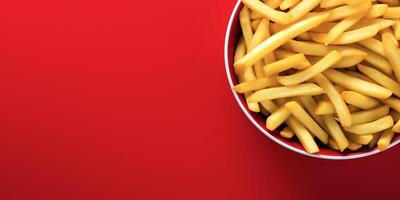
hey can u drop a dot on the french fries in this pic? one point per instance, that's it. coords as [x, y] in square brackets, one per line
[326, 70]
[279, 39]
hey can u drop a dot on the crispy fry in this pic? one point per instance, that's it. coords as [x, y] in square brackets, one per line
[336, 99]
[360, 139]
[277, 118]
[287, 91]
[346, 10]
[300, 114]
[392, 13]
[310, 72]
[396, 127]
[332, 144]
[358, 85]
[381, 79]
[336, 132]
[360, 76]
[391, 52]
[371, 127]
[376, 10]
[268, 12]
[348, 37]
[245, 23]
[316, 49]
[385, 139]
[354, 146]
[392, 102]
[285, 64]
[256, 84]
[384, 23]
[286, 133]
[359, 100]
[269, 106]
[278, 39]
[310, 104]
[366, 116]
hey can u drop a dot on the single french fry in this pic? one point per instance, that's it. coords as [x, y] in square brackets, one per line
[354, 146]
[285, 64]
[371, 127]
[392, 13]
[316, 49]
[336, 132]
[287, 91]
[245, 23]
[348, 37]
[366, 116]
[377, 61]
[286, 4]
[324, 107]
[360, 139]
[374, 45]
[376, 10]
[286, 133]
[385, 139]
[395, 115]
[310, 105]
[374, 140]
[396, 127]
[256, 84]
[248, 74]
[303, 135]
[331, 3]
[384, 23]
[336, 100]
[359, 100]
[392, 102]
[358, 85]
[345, 11]
[268, 12]
[391, 52]
[332, 144]
[396, 29]
[381, 79]
[277, 118]
[302, 9]
[260, 34]
[310, 72]
[342, 26]
[300, 114]
[278, 39]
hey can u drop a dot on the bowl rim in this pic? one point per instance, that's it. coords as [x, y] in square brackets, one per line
[265, 132]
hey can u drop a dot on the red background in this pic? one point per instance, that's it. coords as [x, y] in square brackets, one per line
[128, 99]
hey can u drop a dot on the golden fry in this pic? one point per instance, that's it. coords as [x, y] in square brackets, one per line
[287, 91]
[286, 133]
[376, 10]
[381, 79]
[385, 139]
[285, 64]
[392, 13]
[360, 139]
[310, 105]
[371, 127]
[245, 23]
[366, 116]
[303, 135]
[277, 118]
[377, 61]
[392, 102]
[358, 85]
[374, 45]
[391, 52]
[302, 9]
[325, 107]
[256, 84]
[359, 100]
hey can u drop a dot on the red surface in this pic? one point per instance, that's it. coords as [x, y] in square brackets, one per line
[129, 100]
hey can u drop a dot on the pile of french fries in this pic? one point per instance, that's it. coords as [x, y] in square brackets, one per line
[324, 70]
